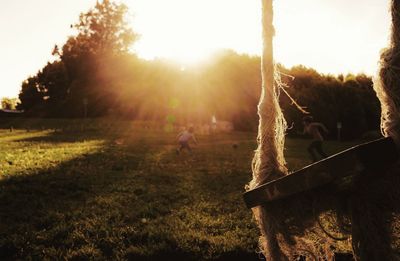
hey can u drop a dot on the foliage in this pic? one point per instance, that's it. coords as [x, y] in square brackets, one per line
[9, 103]
[102, 30]
[31, 96]
[82, 70]
[351, 101]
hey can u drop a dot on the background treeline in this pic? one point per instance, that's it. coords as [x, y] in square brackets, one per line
[94, 74]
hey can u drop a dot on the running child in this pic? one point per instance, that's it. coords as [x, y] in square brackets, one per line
[184, 138]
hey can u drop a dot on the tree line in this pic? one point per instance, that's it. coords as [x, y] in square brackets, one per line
[94, 74]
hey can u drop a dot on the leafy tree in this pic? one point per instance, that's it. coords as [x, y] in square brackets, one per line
[103, 36]
[9, 103]
[83, 69]
[103, 29]
[54, 83]
[31, 95]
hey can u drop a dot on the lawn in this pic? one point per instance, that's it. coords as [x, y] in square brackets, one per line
[124, 194]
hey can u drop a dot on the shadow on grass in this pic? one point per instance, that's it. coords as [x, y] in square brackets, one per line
[61, 137]
[50, 211]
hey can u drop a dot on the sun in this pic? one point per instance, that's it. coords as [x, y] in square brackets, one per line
[183, 53]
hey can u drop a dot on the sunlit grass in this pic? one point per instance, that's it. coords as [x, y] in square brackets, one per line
[29, 152]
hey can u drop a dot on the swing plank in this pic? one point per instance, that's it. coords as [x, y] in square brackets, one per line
[371, 156]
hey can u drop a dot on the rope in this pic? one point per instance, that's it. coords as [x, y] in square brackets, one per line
[268, 162]
[387, 84]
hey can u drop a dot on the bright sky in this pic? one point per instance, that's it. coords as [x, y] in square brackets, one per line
[332, 36]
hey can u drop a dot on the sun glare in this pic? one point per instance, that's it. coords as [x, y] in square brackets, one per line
[189, 31]
[327, 38]
[183, 53]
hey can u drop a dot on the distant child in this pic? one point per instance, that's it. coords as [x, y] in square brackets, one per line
[184, 138]
[313, 129]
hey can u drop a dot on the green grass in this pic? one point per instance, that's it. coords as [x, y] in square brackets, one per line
[126, 195]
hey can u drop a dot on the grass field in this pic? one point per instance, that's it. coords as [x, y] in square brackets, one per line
[117, 195]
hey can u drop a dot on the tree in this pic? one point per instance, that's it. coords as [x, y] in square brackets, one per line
[31, 96]
[103, 29]
[9, 103]
[54, 83]
[103, 36]
[82, 67]
[100, 31]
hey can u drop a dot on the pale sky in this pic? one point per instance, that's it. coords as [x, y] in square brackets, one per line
[332, 36]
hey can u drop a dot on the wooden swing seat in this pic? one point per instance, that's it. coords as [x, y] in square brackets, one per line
[365, 158]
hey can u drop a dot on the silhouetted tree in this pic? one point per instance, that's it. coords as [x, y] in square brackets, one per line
[54, 83]
[31, 95]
